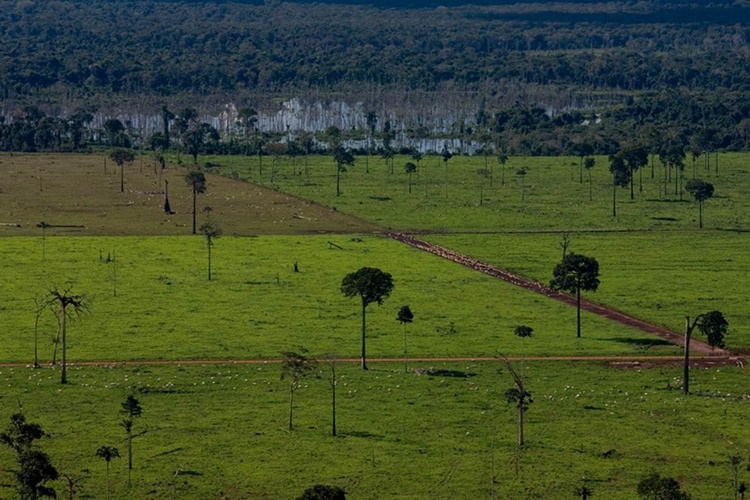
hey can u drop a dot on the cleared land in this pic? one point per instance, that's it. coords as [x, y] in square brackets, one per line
[441, 434]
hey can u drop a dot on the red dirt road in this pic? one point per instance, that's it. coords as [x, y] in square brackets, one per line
[586, 305]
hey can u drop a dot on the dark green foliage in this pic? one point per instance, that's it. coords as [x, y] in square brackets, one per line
[701, 191]
[405, 315]
[655, 487]
[295, 366]
[523, 331]
[210, 230]
[576, 273]
[323, 492]
[131, 409]
[197, 182]
[714, 326]
[34, 466]
[343, 158]
[371, 285]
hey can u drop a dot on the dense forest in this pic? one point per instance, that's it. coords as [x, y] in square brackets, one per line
[528, 74]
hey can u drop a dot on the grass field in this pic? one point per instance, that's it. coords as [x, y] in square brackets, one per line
[401, 434]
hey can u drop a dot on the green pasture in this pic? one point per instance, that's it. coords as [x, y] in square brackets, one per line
[400, 435]
[257, 306]
[658, 276]
[458, 198]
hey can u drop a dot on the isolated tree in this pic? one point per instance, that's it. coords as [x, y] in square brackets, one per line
[405, 316]
[447, 155]
[742, 489]
[735, 461]
[581, 150]
[620, 177]
[576, 273]
[323, 492]
[295, 366]
[35, 468]
[588, 164]
[655, 487]
[343, 158]
[502, 159]
[131, 409]
[330, 361]
[523, 331]
[371, 285]
[121, 157]
[410, 168]
[107, 453]
[69, 303]
[701, 191]
[520, 396]
[584, 492]
[211, 231]
[197, 182]
[521, 173]
[714, 326]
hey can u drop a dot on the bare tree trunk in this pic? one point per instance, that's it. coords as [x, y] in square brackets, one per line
[578, 298]
[364, 308]
[686, 363]
[291, 404]
[520, 425]
[64, 378]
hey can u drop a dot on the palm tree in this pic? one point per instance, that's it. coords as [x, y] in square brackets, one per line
[108, 453]
[197, 182]
[132, 409]
[66, 299]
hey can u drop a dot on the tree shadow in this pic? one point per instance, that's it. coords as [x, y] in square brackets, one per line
[440, 372]
[642, 343]
[361, 434]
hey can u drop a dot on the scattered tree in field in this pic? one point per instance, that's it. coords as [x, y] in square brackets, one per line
[564, 244]
[584, 492]
[343, 158]
[131, 409]
[735, 461]
[576, 273]
[371, 285]
[197, 182]
[447, 155]
[581, 150]
[295, 366]
[405, 316]
[520, 396]
[655, 487]
[34, 466]
[714, 326]
[40, 304]
[588, 164]
[741, 489]
[330, 361]
[502, 159]
[523, 331]
[67, 300]
[107, 453]
[121, 157]
[74, 481]
[620, 176]
[521, 173]
[323, 492]
[701, 191]
[211, 231]
[410, 168]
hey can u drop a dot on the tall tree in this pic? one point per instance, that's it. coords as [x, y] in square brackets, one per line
[576, 273]
[35, 468]
[714, 326]
[68, 303]
[343, 158]
[197, 182]
[701, 191]
[447, 155]
[521, 173]
[589, 164]
[107, 453]
[581, 150]
[131, 409]
[405, 316]
[620, 177]
[410, 168]
[521, 397]
[295, 366]
[121, 157]
[371, 285]
[210, 230]
[247, 118]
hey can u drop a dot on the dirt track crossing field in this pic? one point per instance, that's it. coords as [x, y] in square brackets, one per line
[586, 305]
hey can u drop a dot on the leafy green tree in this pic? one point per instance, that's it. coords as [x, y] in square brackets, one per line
[371, 285]
[107, 453]
[502, 159]
[131, 409]
[323, 492]
[588, 164]
[67, 301]
[121, 157]
[581, 150]
[620, 177]
[35, 468]
[655, 487]
[211, 231]
[447, 155]
[405, 316]
[523, 331]
[115, 131]
[295, 366]
[714, 326]
[410, 168]
[343, 158]
[701, 191]
[584, 492]
[576, 273]
[197, 182]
